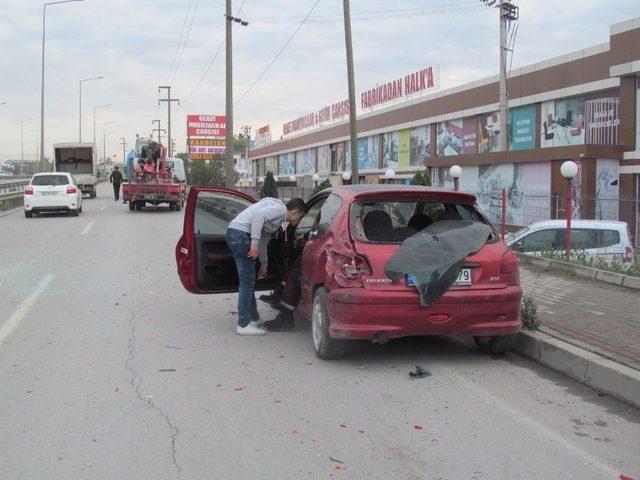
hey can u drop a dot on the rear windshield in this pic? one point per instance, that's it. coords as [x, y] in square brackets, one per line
[395, 221]
[50, 180]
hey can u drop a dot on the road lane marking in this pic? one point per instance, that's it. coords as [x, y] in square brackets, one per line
[102, 208]
[18, 315]
[86, 229]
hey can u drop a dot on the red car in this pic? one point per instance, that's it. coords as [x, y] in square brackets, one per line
[345, 291]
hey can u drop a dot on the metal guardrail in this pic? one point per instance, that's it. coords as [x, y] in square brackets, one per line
[11, 193]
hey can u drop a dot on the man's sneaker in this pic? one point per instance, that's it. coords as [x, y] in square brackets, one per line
[284, 322]
[250, 330]
[258, 323]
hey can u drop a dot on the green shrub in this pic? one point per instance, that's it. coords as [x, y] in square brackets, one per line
[529, 313]
[321, 186]
[422, 177]
[269, 187]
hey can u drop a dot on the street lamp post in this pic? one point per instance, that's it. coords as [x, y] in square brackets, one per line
[44, 17]
[94, 120]
[456, 172]
[21, 122]
[569, 170]
[80, 105]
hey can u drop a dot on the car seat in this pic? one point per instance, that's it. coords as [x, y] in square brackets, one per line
[378, 226]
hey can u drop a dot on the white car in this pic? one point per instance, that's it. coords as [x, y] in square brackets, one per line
[52, 192]
[602, 239]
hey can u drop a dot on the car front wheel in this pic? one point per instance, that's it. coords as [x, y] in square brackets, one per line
[325, 347]
[495, 345]
[28, 214]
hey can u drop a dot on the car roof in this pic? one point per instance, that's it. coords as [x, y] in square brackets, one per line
[67, 174]
[368, 190]
[597, 224]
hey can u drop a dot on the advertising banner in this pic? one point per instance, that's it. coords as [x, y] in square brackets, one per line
[271, 165]
[286, 164]
[205, 148]
[603, 119]
[470, 135]
[339, 149]
[607, 189]
[522, 123]
[306, 160]
[263, 135]
[324, 159]
[404, 148]
[207, 126]
[420, 145]
[390, 150]
[562, 122]
[450, 138]
[373, 153]
[489, 131]
[422, 81]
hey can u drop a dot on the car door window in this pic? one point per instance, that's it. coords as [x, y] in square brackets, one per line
[214, 211]
[584, 238]
[608, 238]
[328, 212]
[312, 218]
[540, 240]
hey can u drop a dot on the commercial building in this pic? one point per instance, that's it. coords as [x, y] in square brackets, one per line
[583, 106]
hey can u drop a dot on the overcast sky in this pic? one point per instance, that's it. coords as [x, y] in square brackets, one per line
[132, 44]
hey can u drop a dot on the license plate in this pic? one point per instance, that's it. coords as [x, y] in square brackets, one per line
[464, 278]
[47, 194]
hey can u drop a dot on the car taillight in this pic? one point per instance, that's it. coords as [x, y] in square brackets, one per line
[28, 191]
[356, 267]
[509, 262]
[628, 252]
[71, 190]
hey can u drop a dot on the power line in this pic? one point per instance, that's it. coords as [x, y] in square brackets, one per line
[279, 53]
[210, 63]
[186, 39]
[175, 53]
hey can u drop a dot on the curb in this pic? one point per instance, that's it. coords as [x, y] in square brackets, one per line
[5, 213]
[602, 374]
[591, 273]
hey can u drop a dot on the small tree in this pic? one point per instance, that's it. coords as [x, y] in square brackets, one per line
[321, 186]
[421, 177]
[269, 188]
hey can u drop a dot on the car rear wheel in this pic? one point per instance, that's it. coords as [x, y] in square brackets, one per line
[138, 205]
[28, 214]
[495, 345]
[325, 347]
[177, 207]
[132, 206]
[75, 213]
[172, 206]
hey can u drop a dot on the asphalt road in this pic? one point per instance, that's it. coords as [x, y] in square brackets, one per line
[110, 370]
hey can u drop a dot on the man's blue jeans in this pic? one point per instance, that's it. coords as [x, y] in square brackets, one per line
[239, 244]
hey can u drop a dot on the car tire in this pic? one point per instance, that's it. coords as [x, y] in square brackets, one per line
[28, 214]
[177, 207]
[326, 348]
[80, 209]
[495, 345]
[75, 213]
[132, 206]
[172, 206]
[138, 205]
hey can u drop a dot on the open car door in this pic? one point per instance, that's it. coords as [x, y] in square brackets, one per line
[205, 263]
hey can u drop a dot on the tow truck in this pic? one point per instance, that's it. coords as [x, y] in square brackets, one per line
[152, 179]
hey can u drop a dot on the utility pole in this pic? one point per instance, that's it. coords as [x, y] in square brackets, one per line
[123, 144]
[229, 177]
[156, 129]
[355, 177]
[168, 100]
[504, 109]
[247, 138]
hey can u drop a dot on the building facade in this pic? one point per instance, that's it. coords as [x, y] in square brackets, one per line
[583, 106]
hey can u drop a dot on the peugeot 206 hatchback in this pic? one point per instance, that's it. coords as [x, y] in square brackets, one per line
[352, 232]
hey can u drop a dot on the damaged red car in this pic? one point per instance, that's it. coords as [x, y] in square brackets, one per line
[379, 262]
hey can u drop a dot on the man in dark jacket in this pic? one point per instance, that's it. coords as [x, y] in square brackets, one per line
[116, 179]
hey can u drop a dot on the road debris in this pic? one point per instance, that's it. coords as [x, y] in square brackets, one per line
[175, 348]
[419, 372]
[336, 460]
[167, 370]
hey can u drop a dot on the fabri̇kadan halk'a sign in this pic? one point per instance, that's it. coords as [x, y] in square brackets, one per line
[422, 81]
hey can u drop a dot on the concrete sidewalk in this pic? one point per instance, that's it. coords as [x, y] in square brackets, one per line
[595, 316]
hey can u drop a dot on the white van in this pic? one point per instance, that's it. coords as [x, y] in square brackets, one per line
[603, 239]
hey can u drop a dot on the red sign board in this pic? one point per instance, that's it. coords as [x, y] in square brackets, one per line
[207, 126]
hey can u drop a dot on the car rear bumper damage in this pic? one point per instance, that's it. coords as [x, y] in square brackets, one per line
[361, 314]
